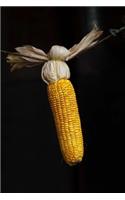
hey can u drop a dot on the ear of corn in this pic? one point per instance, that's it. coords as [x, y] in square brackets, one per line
[55, 73]
[65, 111]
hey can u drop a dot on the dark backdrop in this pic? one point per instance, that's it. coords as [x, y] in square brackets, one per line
[31, 158]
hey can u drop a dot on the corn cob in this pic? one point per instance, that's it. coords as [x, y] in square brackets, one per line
[64, 107]
[65, 111]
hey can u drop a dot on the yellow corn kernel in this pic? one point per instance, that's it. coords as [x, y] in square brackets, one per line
[66, 116]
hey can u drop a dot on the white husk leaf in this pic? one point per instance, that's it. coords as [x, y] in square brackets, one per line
[31, 51]
[58, 53]
[55, 70]
[87, 42]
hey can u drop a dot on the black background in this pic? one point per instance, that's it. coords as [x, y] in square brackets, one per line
[31, 158]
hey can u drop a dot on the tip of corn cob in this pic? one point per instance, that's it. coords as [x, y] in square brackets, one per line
[75, 162]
